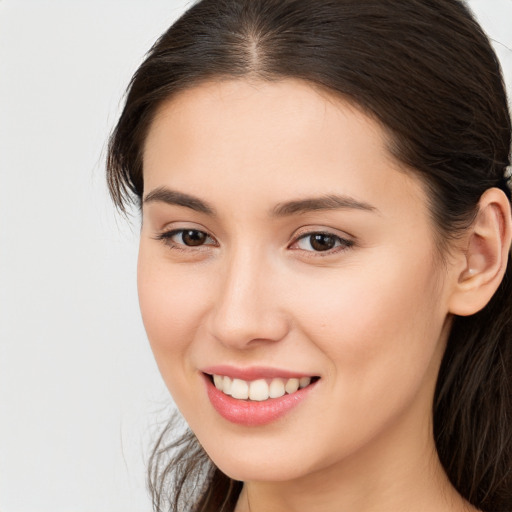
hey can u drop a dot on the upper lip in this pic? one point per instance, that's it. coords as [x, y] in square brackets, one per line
[254, 372]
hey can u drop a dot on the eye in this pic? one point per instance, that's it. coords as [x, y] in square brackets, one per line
[321, 242]
[177, 238]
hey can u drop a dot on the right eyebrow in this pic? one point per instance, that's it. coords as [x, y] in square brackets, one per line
[327, 202]
[173, 197]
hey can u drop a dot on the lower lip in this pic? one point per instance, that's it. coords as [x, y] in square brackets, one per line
[252, 413]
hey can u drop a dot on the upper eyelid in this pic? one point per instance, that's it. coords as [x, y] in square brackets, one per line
[181, 225]
[306, 231]
[319, 232]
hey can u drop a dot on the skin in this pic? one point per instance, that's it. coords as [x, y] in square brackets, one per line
[370, 317]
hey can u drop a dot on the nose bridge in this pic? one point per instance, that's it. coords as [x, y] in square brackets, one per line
[247, 308]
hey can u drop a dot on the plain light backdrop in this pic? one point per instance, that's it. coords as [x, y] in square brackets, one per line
[80, 394]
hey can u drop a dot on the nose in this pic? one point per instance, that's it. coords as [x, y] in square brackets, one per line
[247, 311]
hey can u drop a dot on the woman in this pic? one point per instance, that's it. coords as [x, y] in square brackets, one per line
[324, 268]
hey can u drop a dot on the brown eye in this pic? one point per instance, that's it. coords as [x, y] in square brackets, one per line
[322, 242]
[193, 237]
[182, 238]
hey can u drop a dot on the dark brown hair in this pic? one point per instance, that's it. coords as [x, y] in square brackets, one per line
[426, 71]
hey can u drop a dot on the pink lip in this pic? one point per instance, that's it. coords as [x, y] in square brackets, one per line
[251, 413]
[253, 372]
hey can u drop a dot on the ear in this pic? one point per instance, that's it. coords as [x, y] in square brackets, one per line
[483, 259]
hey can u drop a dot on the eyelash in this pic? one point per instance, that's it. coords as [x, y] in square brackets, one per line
[342, 243]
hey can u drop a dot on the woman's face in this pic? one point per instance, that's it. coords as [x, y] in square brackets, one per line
[281, 241]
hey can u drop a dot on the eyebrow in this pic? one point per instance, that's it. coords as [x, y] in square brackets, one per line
[173, 197]
[328, 202]
[294, 207]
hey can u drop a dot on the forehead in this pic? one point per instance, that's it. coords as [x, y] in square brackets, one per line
[266, 111]
[266, 140]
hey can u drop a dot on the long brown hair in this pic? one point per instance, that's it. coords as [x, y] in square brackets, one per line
[426, 71]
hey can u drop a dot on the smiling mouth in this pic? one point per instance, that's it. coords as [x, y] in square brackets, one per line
[261, 389]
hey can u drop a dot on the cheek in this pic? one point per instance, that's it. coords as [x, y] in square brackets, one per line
[379, 326]
[171, 303]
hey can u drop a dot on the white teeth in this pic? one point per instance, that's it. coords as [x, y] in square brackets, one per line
[226, 385]
[218, 380]
[240, 389]
[276, 388]
[304, 381]
[291, 386]
[258, 390]
[261, 389]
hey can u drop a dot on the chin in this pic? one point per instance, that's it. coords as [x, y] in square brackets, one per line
[255, 470]
[252, 458]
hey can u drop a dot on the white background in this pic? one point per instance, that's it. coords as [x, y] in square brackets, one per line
[80, 394]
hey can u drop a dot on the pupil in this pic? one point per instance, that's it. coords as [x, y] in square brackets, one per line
[193, 237]
[321, 242]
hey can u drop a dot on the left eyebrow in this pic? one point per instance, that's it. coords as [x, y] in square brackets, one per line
[174, 197]
[328, 202]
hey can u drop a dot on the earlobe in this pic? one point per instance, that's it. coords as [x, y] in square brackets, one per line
[485, 255]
